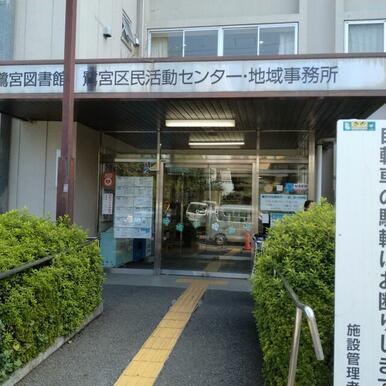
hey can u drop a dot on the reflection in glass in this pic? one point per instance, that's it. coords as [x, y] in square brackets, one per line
[283, 189]
[277, 41]
[240, 41]
[201, 43]
[168, 43]
[207, 213]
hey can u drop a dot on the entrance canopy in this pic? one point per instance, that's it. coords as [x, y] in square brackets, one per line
[280, 121]
[278, 97]
[241, 157]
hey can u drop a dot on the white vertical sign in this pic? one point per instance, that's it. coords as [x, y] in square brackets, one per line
[360, 266]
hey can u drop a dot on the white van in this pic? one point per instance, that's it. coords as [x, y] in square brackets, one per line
[230, 223]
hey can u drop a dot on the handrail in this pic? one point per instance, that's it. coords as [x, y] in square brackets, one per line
[36, 263]
[309, 313]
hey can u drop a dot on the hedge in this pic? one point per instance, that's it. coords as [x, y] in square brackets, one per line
[39, 305]
[302, 248]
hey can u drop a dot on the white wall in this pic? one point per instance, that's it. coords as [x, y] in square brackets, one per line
[39, 28]
[319, 32]
[93, 16]
[33, 166]
[164, 13]
[199, 13]
[355, 10]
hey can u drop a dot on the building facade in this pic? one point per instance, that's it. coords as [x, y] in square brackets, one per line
[196, 124]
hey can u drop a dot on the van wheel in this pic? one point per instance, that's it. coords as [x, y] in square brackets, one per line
[220, 239]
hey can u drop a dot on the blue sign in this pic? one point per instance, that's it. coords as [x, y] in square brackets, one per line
[289, 187]
[179, 227]
[166, 221]
[275, 217]
[231, 230]
[247, 226]
[215, 226]
[196, 224]
[359, 125]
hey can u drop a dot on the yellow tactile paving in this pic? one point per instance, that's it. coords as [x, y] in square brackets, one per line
[232, 252]
[127, 380]
[206, 281]
[152, 355]
[213, 266]
[160, 343]
[161, 332]
[145, 367]
[182, 316]
[169, 323]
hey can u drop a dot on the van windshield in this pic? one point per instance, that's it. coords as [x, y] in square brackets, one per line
[234, 215]
[197, 208]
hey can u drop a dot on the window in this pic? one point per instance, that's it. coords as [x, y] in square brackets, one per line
[168, 43]
[365, 36]
[127, 35]
[201, 43]
[241, 41]
[277, 40]
[273, 39]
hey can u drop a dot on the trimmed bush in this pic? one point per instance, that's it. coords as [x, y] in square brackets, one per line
[39, 305]
[302, 248]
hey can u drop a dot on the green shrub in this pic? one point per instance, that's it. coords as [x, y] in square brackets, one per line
[302, 248]
[39, 305]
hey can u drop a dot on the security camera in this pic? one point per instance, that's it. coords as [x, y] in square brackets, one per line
[136, 42]
[107, 32]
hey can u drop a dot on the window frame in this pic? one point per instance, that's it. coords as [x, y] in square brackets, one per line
[125, 18]
[268, 25]
[347, 24]
[220, 34]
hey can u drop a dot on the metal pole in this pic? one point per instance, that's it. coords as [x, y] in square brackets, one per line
[319, 167]
[311, 165]
[295, 348]
[182, 193]
[159, 204]
[66, 169]
[255, 194]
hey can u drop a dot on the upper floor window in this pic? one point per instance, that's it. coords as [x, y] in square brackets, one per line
[272, 39]
[126, 33]
[365, 36]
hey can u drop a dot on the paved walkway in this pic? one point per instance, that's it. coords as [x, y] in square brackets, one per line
[218, 346]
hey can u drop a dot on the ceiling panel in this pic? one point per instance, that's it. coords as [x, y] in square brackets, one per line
[280, 120]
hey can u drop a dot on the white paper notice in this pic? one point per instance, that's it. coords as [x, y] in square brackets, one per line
[133, 217]
[107, 203]
[282, 202]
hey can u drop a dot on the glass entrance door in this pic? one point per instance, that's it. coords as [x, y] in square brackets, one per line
[206, 218]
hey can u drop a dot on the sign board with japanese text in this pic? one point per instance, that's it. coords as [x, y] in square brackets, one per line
[324, 74]
[133, 214]
[282, 202]
[360, 265]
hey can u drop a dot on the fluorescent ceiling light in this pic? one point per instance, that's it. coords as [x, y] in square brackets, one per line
[200, 123]
[224, 143]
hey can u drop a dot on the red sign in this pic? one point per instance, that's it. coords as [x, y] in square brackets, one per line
[108, 180]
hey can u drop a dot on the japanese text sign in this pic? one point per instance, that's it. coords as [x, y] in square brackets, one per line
[201, 76]
[360, 266]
